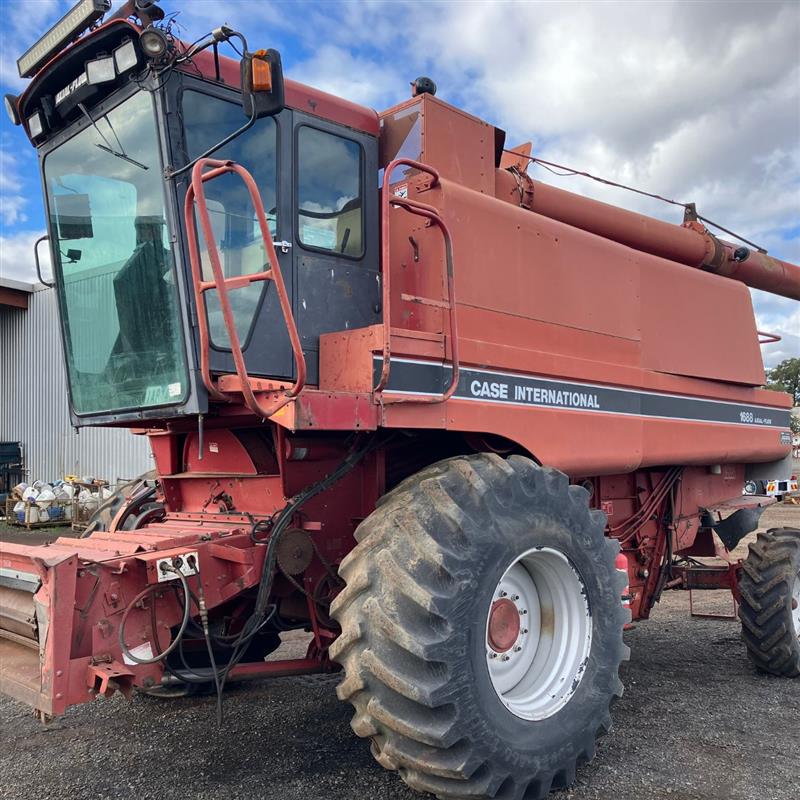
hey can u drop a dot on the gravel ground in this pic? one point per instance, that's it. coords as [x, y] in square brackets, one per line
[696, 722]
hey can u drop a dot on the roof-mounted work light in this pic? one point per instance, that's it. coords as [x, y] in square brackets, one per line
[125, 56]
[75, 21]
[36, 125]
[154, 43]
[10, 102]
[101, 70]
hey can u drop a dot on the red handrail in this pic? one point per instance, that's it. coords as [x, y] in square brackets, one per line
[768, 338]
[196, 192]
[432, 214]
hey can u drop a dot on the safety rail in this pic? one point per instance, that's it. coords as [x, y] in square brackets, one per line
[768, 338]
[196, 192]
[388, 201]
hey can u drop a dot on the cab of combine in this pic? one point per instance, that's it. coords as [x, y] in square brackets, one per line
[114, 144]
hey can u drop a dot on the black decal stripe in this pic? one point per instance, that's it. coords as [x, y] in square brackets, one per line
[408, 376]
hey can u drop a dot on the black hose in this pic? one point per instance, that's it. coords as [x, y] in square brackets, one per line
[284, 518]
[206, 634]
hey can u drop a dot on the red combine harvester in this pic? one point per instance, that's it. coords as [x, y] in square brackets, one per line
[460, 428]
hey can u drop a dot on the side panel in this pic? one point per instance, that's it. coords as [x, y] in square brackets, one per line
[698, 324]
[515, 262]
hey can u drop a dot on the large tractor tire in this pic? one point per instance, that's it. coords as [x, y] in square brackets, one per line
[482, 629]
[770, 604]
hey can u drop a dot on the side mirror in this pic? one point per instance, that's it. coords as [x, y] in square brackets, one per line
[262, 84]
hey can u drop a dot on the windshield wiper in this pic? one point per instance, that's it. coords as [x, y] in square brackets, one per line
[107, 146]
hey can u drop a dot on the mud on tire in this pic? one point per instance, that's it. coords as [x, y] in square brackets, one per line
[420, 583]
[770, 589]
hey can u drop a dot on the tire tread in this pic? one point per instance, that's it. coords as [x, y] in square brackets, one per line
[766, 583]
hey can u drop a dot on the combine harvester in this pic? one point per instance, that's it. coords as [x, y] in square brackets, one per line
[460, 428]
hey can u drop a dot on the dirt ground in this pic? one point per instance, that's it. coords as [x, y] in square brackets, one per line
[696, 723]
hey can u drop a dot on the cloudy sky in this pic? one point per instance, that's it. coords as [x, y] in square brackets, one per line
[694, 100]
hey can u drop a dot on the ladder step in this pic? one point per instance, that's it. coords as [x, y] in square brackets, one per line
[237, 281]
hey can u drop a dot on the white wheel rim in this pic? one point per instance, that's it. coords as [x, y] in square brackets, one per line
[538, 667]
[796, 605]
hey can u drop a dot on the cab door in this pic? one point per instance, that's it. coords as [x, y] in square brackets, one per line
[209, 114]
[336, 262]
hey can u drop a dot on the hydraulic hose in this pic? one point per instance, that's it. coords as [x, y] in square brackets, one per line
[254, 623]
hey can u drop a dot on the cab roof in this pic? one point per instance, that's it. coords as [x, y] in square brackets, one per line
[298, 96]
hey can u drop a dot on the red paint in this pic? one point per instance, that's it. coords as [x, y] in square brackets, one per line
[504, 627]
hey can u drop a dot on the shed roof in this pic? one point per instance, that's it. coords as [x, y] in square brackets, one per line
[14, 293]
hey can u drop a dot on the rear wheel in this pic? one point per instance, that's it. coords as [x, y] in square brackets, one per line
[482, 629]
[770, 606]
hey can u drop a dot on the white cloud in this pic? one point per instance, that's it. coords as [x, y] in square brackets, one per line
[16, 256]
[12, 196]
[202, 16]
[334, 69]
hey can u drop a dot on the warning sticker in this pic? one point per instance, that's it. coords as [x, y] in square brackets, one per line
[142, 651]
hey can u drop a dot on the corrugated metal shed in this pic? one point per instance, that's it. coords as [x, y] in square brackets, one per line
[33, 403]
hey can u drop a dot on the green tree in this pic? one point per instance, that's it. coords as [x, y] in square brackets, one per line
[785, 377]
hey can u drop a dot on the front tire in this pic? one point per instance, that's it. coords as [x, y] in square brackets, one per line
[439, 568]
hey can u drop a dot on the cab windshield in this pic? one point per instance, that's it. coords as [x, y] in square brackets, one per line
[105, 197]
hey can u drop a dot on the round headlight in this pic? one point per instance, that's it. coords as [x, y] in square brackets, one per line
[10, 101]
[154, 43]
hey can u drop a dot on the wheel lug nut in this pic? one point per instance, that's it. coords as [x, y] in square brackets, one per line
[517, 649]
[524, 630]
[503, 594]
[492, 655]
[505, 658]
[516, 597]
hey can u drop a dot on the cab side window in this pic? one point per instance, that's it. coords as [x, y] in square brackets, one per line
[329, 192]
[237, 235]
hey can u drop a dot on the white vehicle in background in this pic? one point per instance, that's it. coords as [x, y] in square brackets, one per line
[771, 488]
